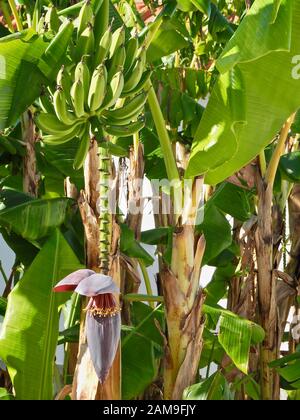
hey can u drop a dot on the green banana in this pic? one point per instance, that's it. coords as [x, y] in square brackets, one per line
[118, 39]
[86, 43]
[124, 131]
[97, 88]
[120, 121]
[101, 21]
[77, 97]
[50, 124]
[131, 53]
[129, 110]
[117, 62]
[114, 90]
[63, 81]
[52, 19]
[60, 106]
[82, 150]
[82, 73]
[85, 17]
[133, 79]
[56, 139]
[103, 47]
[140, 86]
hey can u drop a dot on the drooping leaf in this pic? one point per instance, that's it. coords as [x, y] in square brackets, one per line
[203, 5]
[139, 372]
[262, 55]
[131, 247]
[233, 200]
[167, 40]
[214, 388]
[5, 395]
[290, 166]
[155, 236]
[235, 334]
[217, 232]
[30, 330]
[25, 66]
[35, 219]
[3, 305]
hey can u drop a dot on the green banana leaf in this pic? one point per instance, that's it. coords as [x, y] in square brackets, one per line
[255, 94]
[3, 305]
[167, 40]
[25, 67]
[217, 232]
[4, 394]
[36, 218]
[132, 248]
[235, 334]
[215, 388]
[30, 329]
[139, 372]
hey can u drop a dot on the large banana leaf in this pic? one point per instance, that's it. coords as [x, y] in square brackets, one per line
[24, 69]
[255, 93]
[235, 334]
[34, 219]
[139, 371]
[30, 330]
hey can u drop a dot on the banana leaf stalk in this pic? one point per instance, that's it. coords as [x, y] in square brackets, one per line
[103, 322]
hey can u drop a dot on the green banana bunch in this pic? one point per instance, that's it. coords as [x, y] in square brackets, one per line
[105, 82]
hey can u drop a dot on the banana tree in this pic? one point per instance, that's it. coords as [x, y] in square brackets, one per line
[171, 90]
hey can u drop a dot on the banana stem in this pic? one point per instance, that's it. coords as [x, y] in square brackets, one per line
[136, 142]
[162, 132]
[16, 14]
[166, 147]
[146, 280]
[274, 162]
[262, 163]
[105, 220]
[133, 297]
[6, 14]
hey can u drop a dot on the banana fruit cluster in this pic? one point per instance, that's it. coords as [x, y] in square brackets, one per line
[103, 86]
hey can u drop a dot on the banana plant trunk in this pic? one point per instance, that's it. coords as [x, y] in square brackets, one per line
[267, 283]
[267, 279]
[30, 176]
[184, 301]
[85, 383]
